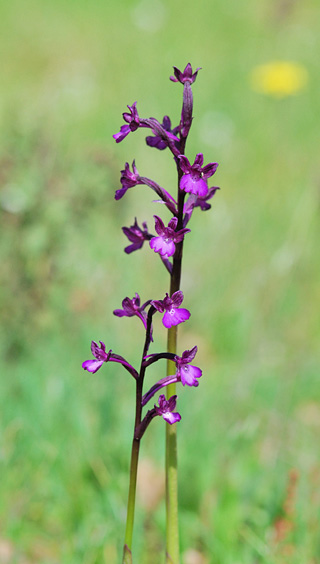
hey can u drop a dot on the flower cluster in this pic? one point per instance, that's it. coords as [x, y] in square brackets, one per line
[167, 241]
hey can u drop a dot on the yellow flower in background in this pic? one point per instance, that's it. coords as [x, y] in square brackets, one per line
[279, 78]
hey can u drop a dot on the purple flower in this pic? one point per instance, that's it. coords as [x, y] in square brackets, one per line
[186, 372]
[166, 408]
[136, 235]
[164, 244]
[128, 179]
[100, 357]
[131, 308]
[157, 141]
[173, 314]
[133, 121]
[185, 76]
[195, 176]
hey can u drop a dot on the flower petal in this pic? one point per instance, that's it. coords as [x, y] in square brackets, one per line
[194, 185]
[184, 164]
[158, 304]
[209, 169]
[165, 248]
[198, 161]
[188, 356]
[92, 365]
[124, 131]
[175, 316]
[177, 298]
[173, 223]
[120, 193]
[159, 225]
[189, 375]
[171, 417]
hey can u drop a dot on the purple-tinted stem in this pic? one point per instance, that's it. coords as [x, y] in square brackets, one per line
[160, 384]
[140, 430]
[125, 365]
[167, 264]
[136, 441]
[158, 356]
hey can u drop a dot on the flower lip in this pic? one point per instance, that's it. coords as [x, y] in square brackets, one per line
[173, 314]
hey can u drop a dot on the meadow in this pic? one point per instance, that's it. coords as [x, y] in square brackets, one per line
[249, 455]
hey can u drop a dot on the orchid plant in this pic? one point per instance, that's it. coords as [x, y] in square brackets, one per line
[168, 243]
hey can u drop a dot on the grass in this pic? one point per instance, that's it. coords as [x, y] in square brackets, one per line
[248, 440]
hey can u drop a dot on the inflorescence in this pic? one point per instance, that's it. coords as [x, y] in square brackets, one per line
[167, 242]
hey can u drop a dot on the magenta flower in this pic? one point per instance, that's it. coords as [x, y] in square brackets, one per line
[132, 307]
[166, 408]
[185, 76]
[173, 314]
[187, 373]
[195, 176]
[133, 121]
[164, 244]
[100, 357]
[136, 235]
[128, 179]
[157, 141]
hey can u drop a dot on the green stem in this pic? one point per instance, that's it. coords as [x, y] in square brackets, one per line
[127, 549]
[172, 534]
[127, 555]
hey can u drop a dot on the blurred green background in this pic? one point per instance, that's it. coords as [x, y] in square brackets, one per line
[249, 436]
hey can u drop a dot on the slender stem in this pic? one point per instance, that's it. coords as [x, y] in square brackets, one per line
[172, 534]
[127, 554]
